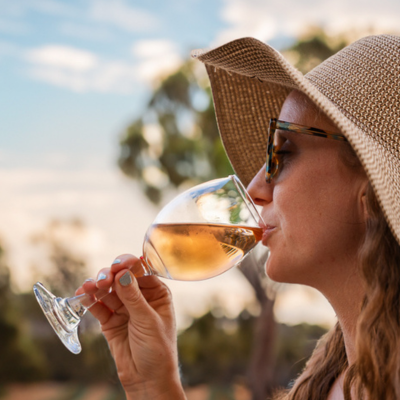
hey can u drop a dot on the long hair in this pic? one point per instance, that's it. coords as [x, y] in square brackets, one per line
[376, 373]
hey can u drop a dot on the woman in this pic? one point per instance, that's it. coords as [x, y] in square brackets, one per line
[330, 192]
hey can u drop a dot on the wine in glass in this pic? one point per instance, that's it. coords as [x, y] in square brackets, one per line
[200, 234]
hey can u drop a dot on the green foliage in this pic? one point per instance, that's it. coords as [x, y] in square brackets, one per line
[67, 270]
[176, 141]
[216, 350]
[64, 274]
[20, 360]
[294, 345]
[94, 364]
[313, 48]
[29, 348]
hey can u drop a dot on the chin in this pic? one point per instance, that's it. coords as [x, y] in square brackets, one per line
[281, 272]
[273, 271]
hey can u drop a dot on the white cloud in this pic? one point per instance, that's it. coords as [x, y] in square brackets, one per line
[153, 48]
[156, 58]
[66, 57]
[120, 14]
[266, 20]
[107, 77]
[80, 70]
[83, 71]
[246, 19]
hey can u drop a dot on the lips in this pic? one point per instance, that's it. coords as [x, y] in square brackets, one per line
[267, 232]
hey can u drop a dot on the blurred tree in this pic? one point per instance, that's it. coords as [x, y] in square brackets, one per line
[61, 244]
[294, 345]
[60, 241]
[20, 360]
[175, 142]
[314, 47]
[217, 350]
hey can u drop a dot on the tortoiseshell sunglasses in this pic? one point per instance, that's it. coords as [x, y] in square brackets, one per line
[272, 163]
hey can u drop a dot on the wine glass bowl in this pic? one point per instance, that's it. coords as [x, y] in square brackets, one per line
[200, 234]
[203, 232]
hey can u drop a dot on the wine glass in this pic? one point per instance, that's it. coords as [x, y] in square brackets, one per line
[200, 234]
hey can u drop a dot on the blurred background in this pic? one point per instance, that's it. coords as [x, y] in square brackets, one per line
[104, 118]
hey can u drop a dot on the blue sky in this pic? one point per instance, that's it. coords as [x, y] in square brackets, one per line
[71, 71]
[74, 74]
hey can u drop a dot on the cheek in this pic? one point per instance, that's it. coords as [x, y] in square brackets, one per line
[292, 249]
[314, 197]
[318, 224]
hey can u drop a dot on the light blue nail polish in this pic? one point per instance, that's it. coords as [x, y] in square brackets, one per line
[125, 279]
[101, 277]
[89, 280]
[116, 261]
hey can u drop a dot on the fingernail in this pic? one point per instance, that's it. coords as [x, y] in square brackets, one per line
[125, 279]
[89, 280]
[101, 277]
[116, 261]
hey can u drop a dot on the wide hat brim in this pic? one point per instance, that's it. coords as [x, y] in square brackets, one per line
[358, 89]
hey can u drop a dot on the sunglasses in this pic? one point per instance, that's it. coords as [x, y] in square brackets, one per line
[272, 163]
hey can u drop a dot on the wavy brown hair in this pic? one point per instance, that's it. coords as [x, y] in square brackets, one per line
[376, 373]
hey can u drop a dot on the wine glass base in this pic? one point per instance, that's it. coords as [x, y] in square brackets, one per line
[54, 310]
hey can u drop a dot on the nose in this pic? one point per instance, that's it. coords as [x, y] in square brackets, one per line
[259, 190]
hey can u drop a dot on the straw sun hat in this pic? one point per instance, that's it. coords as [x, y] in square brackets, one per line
[358, 89]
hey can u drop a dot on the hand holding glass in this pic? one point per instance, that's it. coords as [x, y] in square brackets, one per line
[200, 234]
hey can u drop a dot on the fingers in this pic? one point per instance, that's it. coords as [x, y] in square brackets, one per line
[128, 291]
[144, 300]
[101, 312]
[105, 279]
[128, 261]
[103, 309]
[108, 302]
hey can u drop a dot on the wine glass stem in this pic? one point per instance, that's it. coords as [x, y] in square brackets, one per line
[81, 303]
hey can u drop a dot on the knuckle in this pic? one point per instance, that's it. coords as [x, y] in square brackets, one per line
[134, 296]
[165, 291]
[125, 377]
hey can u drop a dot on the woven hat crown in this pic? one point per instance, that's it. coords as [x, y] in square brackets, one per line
[363, 81]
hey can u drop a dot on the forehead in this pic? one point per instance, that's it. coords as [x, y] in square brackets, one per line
[299, 109]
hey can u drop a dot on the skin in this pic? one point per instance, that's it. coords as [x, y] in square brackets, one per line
[316, 212]
[138, 323]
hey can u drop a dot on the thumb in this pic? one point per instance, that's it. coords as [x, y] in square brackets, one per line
[128, 291]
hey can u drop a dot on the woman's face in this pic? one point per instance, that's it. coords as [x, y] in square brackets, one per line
[315, 207]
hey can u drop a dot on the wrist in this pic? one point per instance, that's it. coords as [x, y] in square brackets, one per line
[172, 390]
